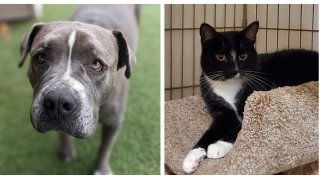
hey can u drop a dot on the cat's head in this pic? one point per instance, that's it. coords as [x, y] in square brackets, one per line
[227, 55]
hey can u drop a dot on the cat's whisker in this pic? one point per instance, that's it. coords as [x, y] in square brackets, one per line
[209, 94]
[214, 72]
[212, 85]
[257, 72]
[208, 91]
[257, 84]
[258, 81]
[253, 83]
[217, 82]
[261, 77]
[212, 77]
[215, 77]
[204, 81]
[249, 83]
[262, 80]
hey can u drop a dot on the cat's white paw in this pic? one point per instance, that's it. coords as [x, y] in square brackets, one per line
[192, 160]
[219, 149]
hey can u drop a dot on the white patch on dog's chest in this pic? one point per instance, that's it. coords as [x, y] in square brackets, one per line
[227, 89]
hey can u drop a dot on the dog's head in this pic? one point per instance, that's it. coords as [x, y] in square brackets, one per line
[72, 71]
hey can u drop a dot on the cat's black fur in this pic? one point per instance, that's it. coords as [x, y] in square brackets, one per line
[256, 72]
[290, 67]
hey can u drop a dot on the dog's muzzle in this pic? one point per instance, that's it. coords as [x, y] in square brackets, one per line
[65, 109]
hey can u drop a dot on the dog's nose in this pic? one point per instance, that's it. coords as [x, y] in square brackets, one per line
[58, 105]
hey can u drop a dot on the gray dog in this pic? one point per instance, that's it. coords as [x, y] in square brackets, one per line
[79, 72]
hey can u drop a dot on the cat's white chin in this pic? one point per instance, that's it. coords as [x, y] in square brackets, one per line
[192, 160]
[237, 76]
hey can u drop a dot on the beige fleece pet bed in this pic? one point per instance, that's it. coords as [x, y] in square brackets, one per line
[279, 133]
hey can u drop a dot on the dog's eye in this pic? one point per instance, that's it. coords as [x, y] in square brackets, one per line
[40, 58]
[221, 57]
[97, 65]
[243, 56]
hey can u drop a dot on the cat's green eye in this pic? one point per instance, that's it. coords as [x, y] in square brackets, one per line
[221, 57]
[243, 56]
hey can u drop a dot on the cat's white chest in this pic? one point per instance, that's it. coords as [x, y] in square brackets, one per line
[227, 89]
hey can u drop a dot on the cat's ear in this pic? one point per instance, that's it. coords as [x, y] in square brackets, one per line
[206, 32]
[251, 31]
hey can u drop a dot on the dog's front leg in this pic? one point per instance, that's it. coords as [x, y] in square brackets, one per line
[67, 151]
[109, 134]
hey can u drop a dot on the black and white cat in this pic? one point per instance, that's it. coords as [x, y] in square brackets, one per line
[231, 71]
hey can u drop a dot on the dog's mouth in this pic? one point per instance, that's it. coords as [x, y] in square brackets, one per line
[78, 132]
[72, 125]
[64, 109]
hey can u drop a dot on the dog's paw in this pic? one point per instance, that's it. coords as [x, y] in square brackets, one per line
[219, 149]
[67, 153]
[104, 170]
[192, 160]
[97, 172]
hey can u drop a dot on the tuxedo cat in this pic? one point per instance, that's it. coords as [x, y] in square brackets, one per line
[231, 71]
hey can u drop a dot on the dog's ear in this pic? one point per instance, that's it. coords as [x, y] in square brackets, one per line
[126, 56]
[27, 41]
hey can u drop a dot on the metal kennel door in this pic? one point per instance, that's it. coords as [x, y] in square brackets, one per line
[281, 27]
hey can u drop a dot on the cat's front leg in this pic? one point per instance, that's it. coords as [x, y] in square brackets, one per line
[195, 156]
[216, 142]
[223, 146]
[193, 159]
[219, 149]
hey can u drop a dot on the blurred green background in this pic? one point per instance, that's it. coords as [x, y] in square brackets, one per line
[137, 150]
